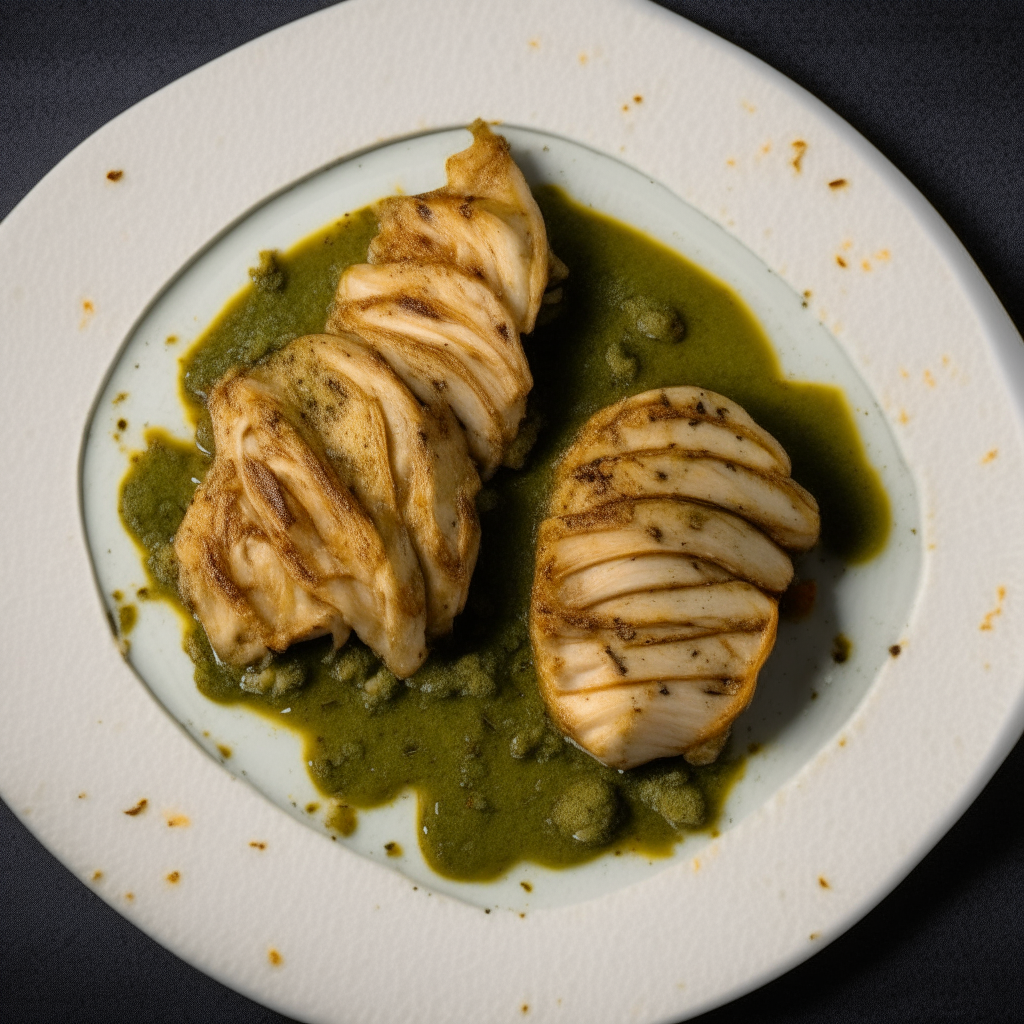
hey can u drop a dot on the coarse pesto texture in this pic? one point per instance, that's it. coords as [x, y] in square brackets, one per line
[496, 782]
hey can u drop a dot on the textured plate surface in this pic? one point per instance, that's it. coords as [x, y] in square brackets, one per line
[869, 603]
[922, 328]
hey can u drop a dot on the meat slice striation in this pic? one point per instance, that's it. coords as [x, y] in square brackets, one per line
[484, 221]
[655, 597]
[276, 547]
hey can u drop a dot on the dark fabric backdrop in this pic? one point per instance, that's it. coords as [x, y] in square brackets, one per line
[938, 86]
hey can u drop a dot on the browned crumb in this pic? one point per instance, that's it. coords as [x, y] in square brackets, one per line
[138, 808]
[115, 175]
[841, 648]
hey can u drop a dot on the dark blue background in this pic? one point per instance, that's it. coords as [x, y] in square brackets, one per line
[939, 88]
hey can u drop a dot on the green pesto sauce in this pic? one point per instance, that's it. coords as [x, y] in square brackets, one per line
[496, 783]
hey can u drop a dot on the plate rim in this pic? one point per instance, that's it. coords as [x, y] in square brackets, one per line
[998, 331]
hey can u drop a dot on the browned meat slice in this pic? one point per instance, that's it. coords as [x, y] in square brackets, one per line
[387, 448]
[342, 491]
[276, 508]
[449, 339]
[484, 221]
[655, 593]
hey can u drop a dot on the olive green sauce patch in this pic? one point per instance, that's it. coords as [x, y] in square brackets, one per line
[496, 782]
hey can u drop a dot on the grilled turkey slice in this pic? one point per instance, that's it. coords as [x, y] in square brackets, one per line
[654, 603]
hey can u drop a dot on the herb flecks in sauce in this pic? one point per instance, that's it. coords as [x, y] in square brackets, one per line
[496, 782]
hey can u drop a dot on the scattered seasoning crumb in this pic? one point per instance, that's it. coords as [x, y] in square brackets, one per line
[525, 1007]
[177, 821]
[527, 886]
[257, 844]
[799, 148]
[343, 820]
[929, 379]
[274, 957]
[119, 397]
[754, 748]
[841, 648]
[115, 175]
[127, 615]
[82, 796]
[129, 896]
[174, 877]
[138, 808]
[814, 935]
[393, 849]
[842, 741]
[895, 650]
[823, 882]
[814, 694]
[487, 910]
[122, 424]
[171, 339]
[840, 260]
[638, 99]
[224, 751]
[990, 617]
[97, 875]
[838, 183]
[989, 456]
[312, 808]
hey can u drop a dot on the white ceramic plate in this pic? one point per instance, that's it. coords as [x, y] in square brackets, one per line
[854, 792]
